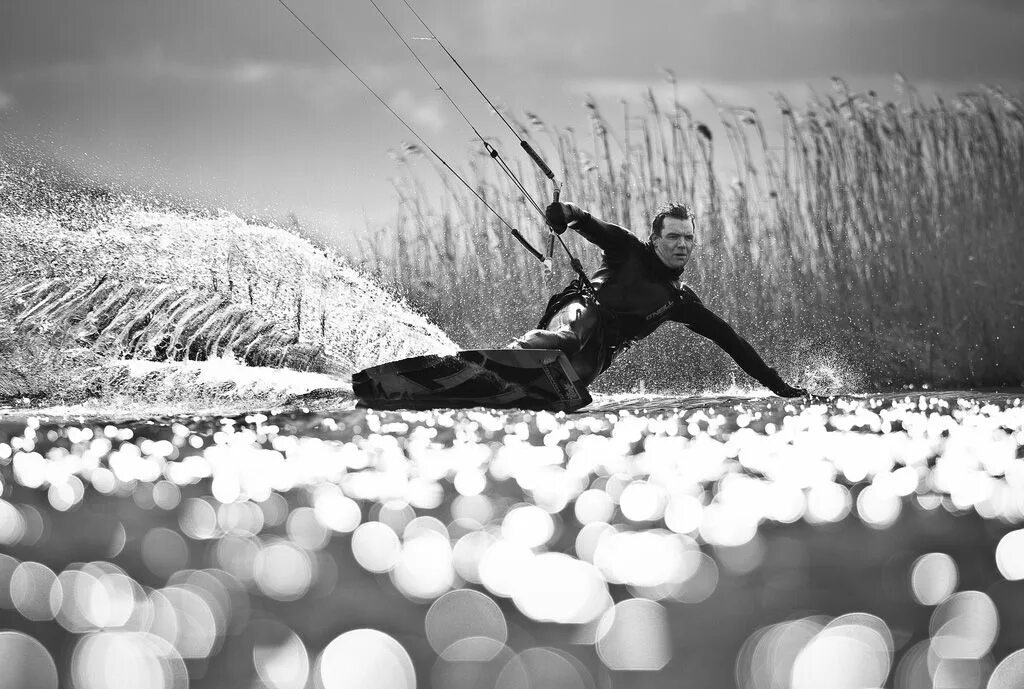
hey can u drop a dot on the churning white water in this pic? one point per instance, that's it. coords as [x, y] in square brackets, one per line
[220, 309]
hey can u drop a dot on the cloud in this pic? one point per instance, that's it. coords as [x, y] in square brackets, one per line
[832, 12]
[6, 100]
[797, 11]
[323, 86]
[420, 111]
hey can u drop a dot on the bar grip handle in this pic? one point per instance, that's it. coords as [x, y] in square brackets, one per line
[529, 247]
[537, 159]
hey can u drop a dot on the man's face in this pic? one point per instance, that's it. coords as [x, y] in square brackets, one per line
[675, 243]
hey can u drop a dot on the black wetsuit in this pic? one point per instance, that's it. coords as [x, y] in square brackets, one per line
[636, 292]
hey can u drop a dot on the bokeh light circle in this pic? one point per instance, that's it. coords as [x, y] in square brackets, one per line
[164, 552]
[728, 525]
[335, 510]
[744, 558]
[376, 547]
[634, 635]
[960, 673]
[198, 519]
[283, 571]
[700, 585]
[589, 538]
[463, 614]
[238, 555]
[827, 502]
[684, 513]
[241, 518]
[310, 529]
[544, 667]
[479, 508]
[553, 587]
[642, 501]
[468, 553]
[933, 578]
[1010, 555]
[126, 660]
[365, 658]
[470, 664]
[770, 654]
[1009, 674]
[35, 591]
[279, 656]
[396, 514]
[198, 626]
[25, 663]
[80, 591]
[593, 506]
[501, 565]
[422, 525]
[841, 658]
[877, 507]
[913, 671]
[964, 626]
[12, 524]
[425, 569]
[529, 525]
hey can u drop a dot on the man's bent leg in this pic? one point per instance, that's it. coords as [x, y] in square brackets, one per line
[563, 332]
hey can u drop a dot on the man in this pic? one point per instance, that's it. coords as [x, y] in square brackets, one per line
[636, 289]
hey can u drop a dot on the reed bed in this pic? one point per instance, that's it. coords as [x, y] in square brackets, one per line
[875, 241]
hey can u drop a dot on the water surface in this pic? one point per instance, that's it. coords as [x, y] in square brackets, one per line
[649, 541]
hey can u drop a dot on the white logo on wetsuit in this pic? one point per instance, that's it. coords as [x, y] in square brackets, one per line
[661, 311]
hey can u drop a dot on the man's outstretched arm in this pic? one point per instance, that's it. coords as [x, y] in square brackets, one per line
[609, 237]
[703, 321]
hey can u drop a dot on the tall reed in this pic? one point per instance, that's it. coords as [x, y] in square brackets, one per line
[883, 238]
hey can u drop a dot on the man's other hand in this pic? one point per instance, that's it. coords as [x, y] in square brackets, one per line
[559, 215]
[786, 390]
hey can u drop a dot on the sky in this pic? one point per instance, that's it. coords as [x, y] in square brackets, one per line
[233, 104]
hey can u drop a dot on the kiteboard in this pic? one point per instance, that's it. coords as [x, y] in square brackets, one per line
[499, 378]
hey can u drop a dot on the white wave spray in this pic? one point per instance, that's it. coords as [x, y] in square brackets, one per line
[91, 282]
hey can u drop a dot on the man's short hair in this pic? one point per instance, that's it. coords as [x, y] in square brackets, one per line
[670, 210]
